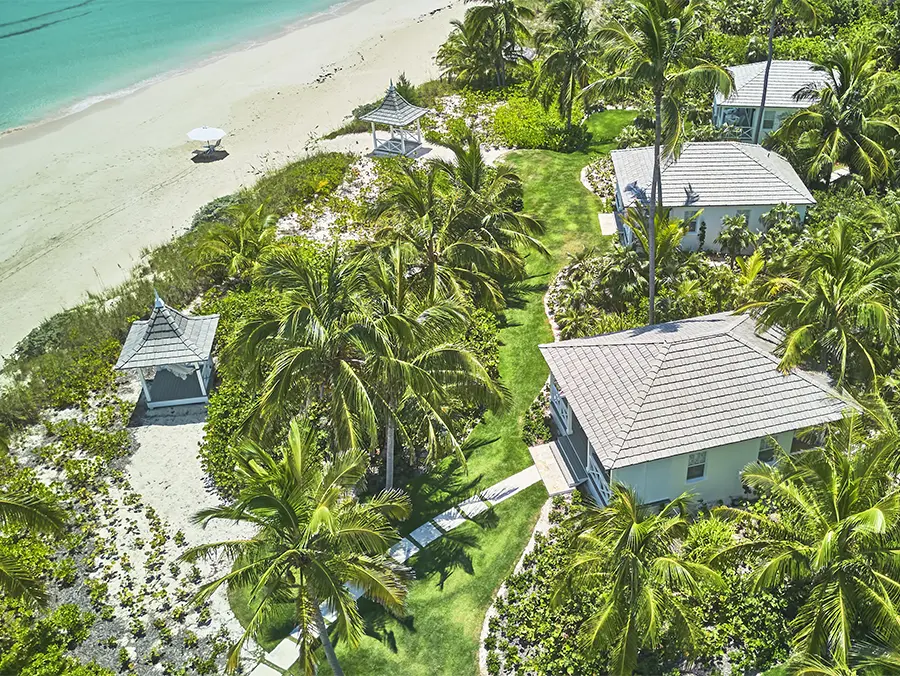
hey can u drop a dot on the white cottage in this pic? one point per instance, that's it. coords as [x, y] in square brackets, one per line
[707, 182]
[681, 406]
[741, 108]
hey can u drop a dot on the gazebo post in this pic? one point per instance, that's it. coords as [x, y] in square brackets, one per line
[403, 140]
[419, 131]
[374, 139]
[144, 386]
[200, 379]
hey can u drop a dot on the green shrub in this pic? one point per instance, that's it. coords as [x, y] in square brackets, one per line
[483, 339]
[522, 122]
[536, 429]
[289, 188]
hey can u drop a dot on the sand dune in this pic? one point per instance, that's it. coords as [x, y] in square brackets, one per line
[81, 196]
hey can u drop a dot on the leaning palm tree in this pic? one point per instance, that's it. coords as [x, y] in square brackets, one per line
[452, 260]
[314, 348]
[35, 514]
[313, 540]
[652, 50]
[851, 121]
[233, 247]
[805, 11]
[417, 368]
[567, 48]
[836, 303]
[629, 554]
[502, 25]
[837, 533]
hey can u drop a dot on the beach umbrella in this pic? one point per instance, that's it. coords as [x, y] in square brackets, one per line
[206, 135]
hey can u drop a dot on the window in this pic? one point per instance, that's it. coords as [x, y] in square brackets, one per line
[690, 220]
[769, 120]
[766, 450]
[696, 466]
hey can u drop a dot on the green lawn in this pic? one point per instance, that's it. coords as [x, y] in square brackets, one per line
[457, 575]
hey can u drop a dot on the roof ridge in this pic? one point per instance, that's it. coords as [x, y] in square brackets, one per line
[187, 341]
[740, 147]
[163, 310]
[646, 386]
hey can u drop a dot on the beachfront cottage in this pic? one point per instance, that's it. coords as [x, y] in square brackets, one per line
[707, 182]
[398, 115]
[741, 108]
[681, 406]
[172, 354]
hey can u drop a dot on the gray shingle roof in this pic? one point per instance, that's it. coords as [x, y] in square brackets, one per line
[394, 110]
[715, 173]
[785, 79]
[168, 337]
[684, 386]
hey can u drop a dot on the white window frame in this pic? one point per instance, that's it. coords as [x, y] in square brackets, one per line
[690, 219]
[697, 459]
[767, 444]
[769, 118]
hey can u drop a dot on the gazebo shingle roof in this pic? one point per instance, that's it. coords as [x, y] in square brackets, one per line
[684, 386]
[394, 111]
[168, 337]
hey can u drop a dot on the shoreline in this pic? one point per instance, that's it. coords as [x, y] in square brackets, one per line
[85, 104]
[82, 196]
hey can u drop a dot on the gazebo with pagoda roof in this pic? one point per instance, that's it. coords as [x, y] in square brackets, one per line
[177, 349]
[398, 115]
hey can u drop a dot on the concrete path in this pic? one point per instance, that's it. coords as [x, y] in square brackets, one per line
[283, 656]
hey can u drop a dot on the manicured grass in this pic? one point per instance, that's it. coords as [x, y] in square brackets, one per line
[457, 575]
[456, 580]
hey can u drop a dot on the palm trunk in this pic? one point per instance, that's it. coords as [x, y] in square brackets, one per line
[389, 452]
[762, 103]
[330, 655]
[655, 196]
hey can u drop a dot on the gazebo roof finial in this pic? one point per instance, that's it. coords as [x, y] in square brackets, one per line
[157, 301]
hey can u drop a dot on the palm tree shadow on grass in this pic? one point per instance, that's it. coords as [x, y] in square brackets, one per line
[519, 294]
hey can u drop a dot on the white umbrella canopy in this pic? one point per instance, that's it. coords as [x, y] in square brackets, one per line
[206, 134]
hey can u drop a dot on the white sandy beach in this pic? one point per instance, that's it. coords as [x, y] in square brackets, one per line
[81, 197]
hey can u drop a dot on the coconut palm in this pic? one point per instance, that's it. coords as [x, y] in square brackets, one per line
[848, 123]
[734, 237]
[313, 540]
[417, 369]
[836, 303]
[652, 50]
[35, 514]
[805, 11]
[567, 48]
[490, 199]
[233, 247]
[837, 534]
[628, 554]
[313, 349]
[502, 26]
[452, 260]
[465, 56]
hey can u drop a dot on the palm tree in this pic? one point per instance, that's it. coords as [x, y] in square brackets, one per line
[21, 510]
[567, 48]
[836, 303]
[804, 10]
[734, 237]
[628, 553]
[464, 55]
[452, 260]
[416, 368]
[314, 349]
[837, 534]
[652, 51]
[314, 540]
[847, 124]
[501, 24]
[489, 199]
[234, 246]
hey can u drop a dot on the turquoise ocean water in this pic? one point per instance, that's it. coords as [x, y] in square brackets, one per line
[60, 54]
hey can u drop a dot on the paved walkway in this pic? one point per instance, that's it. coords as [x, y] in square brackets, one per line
[283, 656]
